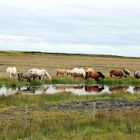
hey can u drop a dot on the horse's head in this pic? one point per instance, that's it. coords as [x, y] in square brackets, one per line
[101, 74]
[124, 74]
[126, 71]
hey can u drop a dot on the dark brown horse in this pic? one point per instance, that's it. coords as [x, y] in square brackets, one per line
[118, 73]
[94, 75]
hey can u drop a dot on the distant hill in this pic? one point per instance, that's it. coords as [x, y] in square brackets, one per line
[42, 53]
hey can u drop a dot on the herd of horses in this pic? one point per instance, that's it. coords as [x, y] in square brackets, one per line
[75, 72]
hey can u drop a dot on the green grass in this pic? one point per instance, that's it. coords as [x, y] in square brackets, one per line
[18, 100]
[70, 80]
[23, 117]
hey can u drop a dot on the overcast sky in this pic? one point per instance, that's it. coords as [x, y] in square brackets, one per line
[74, 26]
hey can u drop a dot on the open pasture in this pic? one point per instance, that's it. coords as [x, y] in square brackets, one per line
[24, 61]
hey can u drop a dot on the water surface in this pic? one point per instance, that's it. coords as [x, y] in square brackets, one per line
[79, 89]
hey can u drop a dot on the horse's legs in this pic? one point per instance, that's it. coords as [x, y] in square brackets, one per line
[111, 75]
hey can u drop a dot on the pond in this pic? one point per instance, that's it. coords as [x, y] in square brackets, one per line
[80, 89]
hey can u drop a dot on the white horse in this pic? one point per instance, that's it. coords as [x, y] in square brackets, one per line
[12, 72]
[41, 73]
[80, 71]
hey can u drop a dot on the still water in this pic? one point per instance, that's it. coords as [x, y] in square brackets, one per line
[75, 89]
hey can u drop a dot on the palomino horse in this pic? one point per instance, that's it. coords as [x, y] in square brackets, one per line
[12, 71]
[137, 74]
[118, 73]
[41, 73]
[60, 71]
[77, 72]
[90, 73]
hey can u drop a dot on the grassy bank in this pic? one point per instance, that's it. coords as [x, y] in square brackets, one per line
[24, 117]
[69, 80]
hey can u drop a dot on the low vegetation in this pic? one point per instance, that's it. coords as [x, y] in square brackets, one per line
[28, 117]
[65, 115]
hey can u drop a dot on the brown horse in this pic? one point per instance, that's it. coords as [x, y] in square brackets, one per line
[60, 71]
[94, 75]
[118, 73]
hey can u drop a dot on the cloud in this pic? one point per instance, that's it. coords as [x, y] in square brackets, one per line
[91, 26]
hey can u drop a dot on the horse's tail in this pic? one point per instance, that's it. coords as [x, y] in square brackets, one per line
[86, 75]
[101, 74]
[111, 73]
[47, 74]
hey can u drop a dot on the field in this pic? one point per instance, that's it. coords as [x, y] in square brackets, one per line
[64, 115]
[25, 61]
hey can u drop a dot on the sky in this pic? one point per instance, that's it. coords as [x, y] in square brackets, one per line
[74, 26]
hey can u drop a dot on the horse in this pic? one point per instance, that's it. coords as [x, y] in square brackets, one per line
[41, 73]
[76, 72]
[126, 71]
[90, 73]
[28, 76]
[69, 72]
[118, 73]
[77, 75]
[89, 69]
[60, 71]
[12, 71]
[137, 74]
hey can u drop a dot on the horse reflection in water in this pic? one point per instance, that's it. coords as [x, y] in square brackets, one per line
[118, 89]
[6, 91]
[95, 89]
[136, 89]
[75, 89]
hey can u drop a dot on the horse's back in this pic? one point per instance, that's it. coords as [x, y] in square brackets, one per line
[12, 70]
[137, 74]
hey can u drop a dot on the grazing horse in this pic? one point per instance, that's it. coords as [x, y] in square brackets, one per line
[41, 73]
[137, 74]
[118, 73]
[76, 72]
[28, 76]
[12, 71]
[94, 74]
[60, 71]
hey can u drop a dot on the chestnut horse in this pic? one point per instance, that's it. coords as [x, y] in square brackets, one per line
[118, 73]
[94, 74]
